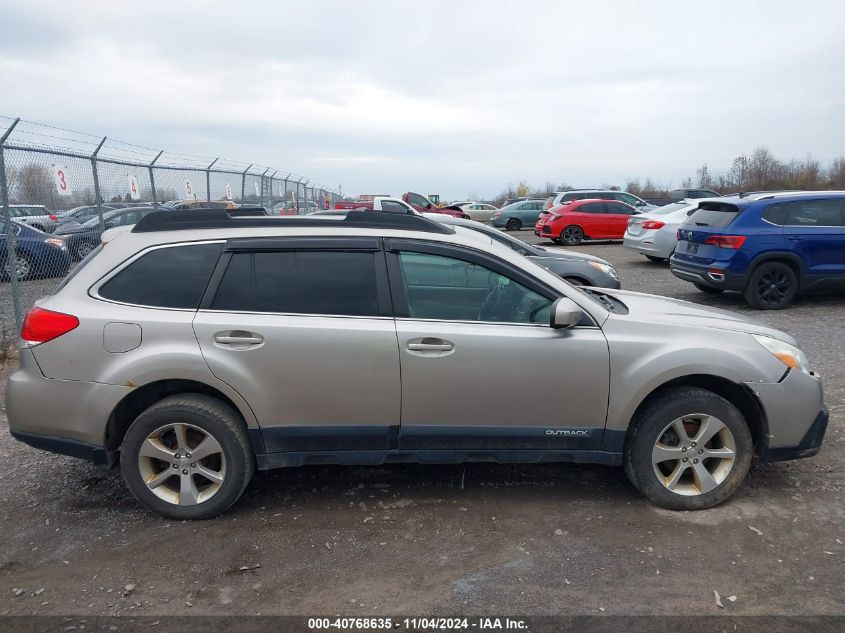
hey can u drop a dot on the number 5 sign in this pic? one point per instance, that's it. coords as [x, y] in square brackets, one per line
[133, 187]
[60, 177]
[189, 189]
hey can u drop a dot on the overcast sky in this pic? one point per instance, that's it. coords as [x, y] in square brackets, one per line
[453, 97]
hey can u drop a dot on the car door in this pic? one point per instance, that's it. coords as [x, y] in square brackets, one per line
[529, 212]
[302, 328]
[592, 219]
[481, 367]
[618, 215]
[815, 230]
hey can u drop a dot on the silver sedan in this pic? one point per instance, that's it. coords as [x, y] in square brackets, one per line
[654, 234]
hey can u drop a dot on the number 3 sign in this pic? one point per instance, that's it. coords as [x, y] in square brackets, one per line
[60, 177]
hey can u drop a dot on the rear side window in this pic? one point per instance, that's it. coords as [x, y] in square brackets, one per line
[814, 213]
[715, 214]
[170, 277]
[300, 282]
[776, 213]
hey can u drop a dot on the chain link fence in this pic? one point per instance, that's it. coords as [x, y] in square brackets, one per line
[59, 190]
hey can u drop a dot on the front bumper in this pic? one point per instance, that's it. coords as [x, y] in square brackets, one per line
[810, 444]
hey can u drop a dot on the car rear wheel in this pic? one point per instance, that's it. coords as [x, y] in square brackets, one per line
[513, 225]
[572, 235]
[688, 449]
[772, 286]
[83, 249]
[710, 290]
[24, 266]
[187, 457]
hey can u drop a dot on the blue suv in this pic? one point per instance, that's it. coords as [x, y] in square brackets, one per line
[768, 246]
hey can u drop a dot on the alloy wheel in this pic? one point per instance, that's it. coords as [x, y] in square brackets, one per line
[572, 235]
[182, 464]
[693, 454]
[774, 286]
[84, 249]
[23, 268]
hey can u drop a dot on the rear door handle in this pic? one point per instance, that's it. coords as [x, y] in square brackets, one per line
[434, 347]
[794, 238]
[238, 339]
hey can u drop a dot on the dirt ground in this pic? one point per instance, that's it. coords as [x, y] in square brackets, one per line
[438, 540]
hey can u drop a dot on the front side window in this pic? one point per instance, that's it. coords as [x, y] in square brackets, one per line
[814, 213]
[170, 277]
[627, 198]
[418, 200]
[446, 288]
[391, 206]
[593, 208]
[300, 282]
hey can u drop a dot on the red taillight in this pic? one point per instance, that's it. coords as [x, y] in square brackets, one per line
[678, 235]
[53, 217]
[653, 224]
[726, 241]
[40, 325]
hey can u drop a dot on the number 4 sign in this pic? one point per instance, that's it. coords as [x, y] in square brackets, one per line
[134, 193]
[60, 177]
[257, 189]
[228, 191]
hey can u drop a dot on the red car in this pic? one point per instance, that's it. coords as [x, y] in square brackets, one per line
[572, 222]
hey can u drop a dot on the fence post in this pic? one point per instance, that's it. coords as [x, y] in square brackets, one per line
[208, 180]
[286, 188]
[298, 199]
[270, 202]
[261, 188]
[243, 182]
[98, 200]
[11, 255]
[153, 178]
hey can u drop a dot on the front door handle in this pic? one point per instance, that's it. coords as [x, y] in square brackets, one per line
[430, 347]
[794, 238]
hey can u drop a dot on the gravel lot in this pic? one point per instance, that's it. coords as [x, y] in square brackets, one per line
[437, 540]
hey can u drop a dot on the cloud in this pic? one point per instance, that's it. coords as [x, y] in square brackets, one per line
[442, 96]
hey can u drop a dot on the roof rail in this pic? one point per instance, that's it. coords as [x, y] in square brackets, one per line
[194, 219]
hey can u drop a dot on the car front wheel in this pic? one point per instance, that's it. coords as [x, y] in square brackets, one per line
[688, 449]
[187, 457]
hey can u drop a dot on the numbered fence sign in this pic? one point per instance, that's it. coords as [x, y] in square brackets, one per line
[134, 192]
[228, 191]
[62, 180]
[189, 189]
[257, 189]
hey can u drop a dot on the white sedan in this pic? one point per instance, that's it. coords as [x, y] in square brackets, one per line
[654, 233]
[478, 211]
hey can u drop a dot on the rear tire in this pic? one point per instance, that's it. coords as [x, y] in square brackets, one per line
[693, 424]
[772, 286]
[83, 249]
[25, 268]
[177, 487]
[572, 235]
[513, 225]
[710, 290]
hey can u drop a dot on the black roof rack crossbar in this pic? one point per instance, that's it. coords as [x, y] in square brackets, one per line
[192, 219]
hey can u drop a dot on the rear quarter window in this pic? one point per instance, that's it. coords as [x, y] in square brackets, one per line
[715, 214]
[169, 277]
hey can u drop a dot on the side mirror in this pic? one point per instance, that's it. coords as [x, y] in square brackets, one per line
[428, 205]
[565, 314]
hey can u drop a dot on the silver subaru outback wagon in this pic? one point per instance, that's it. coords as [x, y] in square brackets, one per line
[200, 346]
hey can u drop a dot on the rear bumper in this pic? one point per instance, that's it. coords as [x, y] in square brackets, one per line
[707, 275]
[97, 455]
[650, 243]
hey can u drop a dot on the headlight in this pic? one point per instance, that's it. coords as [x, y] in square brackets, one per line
[788, 354]
[610, 271]
[56, 242]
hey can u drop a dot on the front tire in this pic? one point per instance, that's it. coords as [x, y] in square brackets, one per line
[688, 449]
[513, 225]
[187, 457]
[772, 286]
[25, 267]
